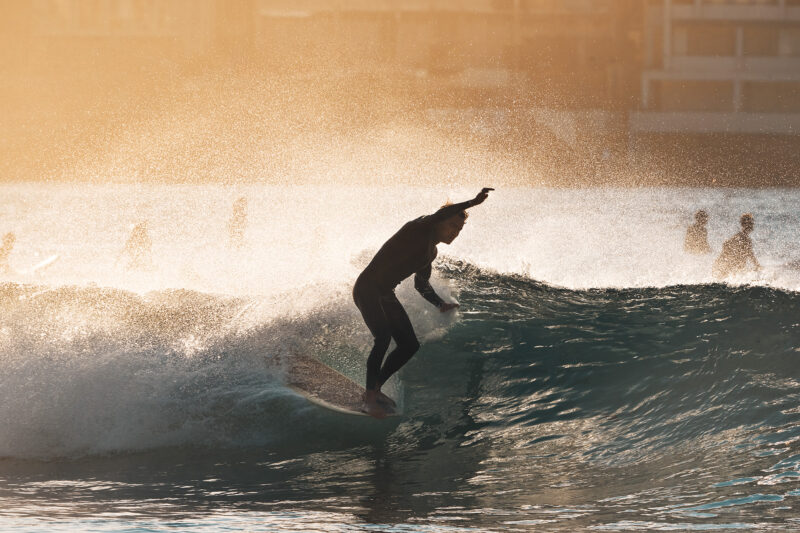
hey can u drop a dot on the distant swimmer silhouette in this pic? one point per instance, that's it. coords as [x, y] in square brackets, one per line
[409, 251]
[138, 249]
[5, 251]
[696, 241]
[737, 252]
[237, 224]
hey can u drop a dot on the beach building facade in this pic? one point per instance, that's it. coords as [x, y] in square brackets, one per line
[568, 52]
[720, 66]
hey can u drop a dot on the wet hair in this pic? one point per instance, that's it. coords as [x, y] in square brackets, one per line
[462, 214]
[701, 215]
[747, 220]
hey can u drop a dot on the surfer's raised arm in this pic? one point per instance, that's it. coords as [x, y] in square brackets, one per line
[454, 209]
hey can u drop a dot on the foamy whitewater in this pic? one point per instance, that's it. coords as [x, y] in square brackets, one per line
[595, 376]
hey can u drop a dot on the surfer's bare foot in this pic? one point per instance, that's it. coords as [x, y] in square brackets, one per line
[371, 405]
[385, 400]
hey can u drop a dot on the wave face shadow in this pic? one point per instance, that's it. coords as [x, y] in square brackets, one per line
[93, 371]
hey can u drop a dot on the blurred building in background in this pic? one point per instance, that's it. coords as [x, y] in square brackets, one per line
[561, 53]
[720, 91]
[111, 32]
[590, 79]
[721, 66]
[559, 74]
[571, 53]
[677, 65]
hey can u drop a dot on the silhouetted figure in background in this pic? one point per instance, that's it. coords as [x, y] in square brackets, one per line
[139, 249]
[737, 252]
[5, 251]
[237, 224]
[409, 251]
[696, 241]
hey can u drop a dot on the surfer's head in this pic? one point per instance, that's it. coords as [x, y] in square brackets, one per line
[447, 230]
[701, 217]
[747, 222]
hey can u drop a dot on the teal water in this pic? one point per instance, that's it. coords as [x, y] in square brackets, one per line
[539, 406]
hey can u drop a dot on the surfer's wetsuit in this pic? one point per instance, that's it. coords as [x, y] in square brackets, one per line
[409, 251]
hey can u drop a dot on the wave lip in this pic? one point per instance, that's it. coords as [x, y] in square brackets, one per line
[89, 370]
[654, 367]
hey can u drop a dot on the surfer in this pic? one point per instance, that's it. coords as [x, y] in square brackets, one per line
[737, 251]
[237, 224]
[409, 251]
[139, 249]
[696, 241]
[5, 251]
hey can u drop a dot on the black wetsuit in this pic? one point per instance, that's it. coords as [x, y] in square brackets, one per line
[409, 251]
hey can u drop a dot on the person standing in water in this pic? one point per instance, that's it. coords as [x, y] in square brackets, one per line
[237, 224]
[409, 251]
[696, 241]
[138, 249]
[737, 252]
[5, 251]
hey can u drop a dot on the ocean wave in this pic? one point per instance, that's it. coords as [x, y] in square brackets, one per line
[88, 370]
[656, 366]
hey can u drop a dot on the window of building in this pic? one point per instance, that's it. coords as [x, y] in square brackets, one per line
[789, 42]
[704, 40]
[686, 95]
[742, 2]
[771, 97]
[761, 41]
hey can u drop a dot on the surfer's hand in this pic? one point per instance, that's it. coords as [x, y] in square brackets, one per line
[446, 307]
[483, 195]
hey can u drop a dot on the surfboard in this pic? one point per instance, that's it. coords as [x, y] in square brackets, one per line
[324, 386]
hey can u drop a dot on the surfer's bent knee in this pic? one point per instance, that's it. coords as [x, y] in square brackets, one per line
[382, 342]
[411, 346]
